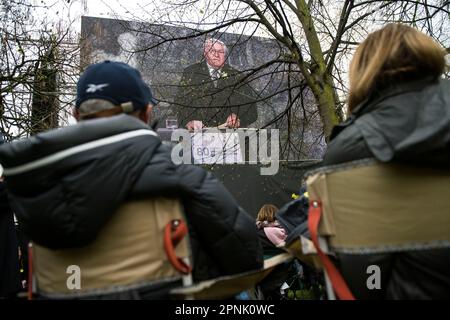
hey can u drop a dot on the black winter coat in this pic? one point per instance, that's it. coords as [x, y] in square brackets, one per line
[409, 123]
[66, 183]
[9, 255]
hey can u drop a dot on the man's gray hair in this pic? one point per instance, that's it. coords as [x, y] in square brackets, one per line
[212, 41]
[95, 105]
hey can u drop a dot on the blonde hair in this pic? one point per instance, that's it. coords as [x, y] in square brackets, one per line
[267, 213]
[395, 53]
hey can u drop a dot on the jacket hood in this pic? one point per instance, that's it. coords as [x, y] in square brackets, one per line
[56, 181]
[409, 122]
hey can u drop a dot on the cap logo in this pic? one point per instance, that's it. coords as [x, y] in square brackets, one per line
[96, 87]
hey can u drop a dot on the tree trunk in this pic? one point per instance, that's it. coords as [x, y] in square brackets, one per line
[318, 78]
[45, 106]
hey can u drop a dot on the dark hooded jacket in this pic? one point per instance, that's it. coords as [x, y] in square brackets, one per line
[410, 124]
[9, 258]
[66, 183]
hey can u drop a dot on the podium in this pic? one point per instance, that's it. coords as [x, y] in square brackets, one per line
[216, 147]
[220, 146]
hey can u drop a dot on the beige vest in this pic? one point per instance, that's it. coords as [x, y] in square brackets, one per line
[128, 252]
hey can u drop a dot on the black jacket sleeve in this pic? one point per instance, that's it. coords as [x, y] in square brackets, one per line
[223, 231]
[227, 232]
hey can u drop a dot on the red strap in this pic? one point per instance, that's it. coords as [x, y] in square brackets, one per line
[339, 285]
[174, 232]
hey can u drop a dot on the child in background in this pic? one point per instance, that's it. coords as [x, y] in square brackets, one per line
[270, 232]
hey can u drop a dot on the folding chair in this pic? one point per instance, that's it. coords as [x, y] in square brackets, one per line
[228, 286]
[139, 247]
[367, 207]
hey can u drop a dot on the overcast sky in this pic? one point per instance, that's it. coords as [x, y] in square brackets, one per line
[71, 11]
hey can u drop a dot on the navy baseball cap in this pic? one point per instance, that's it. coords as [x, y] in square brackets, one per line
[116, 82]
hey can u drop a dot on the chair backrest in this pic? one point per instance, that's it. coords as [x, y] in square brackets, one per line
[128, 251]
[370, 207]
[367, 207]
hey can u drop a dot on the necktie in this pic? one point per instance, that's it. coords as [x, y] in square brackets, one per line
[215, 76]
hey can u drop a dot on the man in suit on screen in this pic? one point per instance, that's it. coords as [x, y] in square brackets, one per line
[213, 94]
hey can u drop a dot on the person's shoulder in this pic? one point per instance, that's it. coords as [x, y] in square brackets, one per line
[348, 145]
[228, 68]
[196, 71]
[195, 66]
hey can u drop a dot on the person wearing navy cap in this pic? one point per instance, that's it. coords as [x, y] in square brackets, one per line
[106, 208]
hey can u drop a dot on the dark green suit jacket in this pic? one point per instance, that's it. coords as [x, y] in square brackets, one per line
[201, 98]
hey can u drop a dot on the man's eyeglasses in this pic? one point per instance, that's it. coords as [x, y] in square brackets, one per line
[213, 51]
